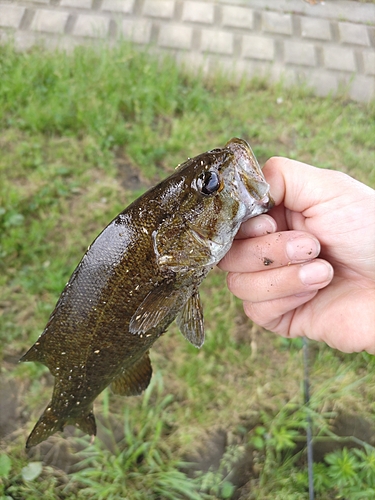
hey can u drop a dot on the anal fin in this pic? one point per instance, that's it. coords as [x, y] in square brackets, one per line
[135, 379]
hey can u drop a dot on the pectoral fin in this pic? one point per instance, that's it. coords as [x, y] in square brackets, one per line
[135, 379]
[190, 320]
[154, 308]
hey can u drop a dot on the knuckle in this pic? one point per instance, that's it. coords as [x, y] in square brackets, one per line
[253, 311]
[232, 281]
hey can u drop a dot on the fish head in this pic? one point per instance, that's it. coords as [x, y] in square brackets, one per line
[221, 189]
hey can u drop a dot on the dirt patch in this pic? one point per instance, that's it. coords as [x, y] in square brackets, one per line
[346, 426]
[10, 407]
[212, 455]
[130, 176]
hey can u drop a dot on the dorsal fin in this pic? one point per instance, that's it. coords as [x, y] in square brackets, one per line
[135, 379]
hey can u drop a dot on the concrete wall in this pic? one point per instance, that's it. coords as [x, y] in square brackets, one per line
[328, 44]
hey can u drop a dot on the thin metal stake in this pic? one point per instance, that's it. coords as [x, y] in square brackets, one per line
[306, 386]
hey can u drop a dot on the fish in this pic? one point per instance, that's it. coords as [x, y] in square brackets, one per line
[141, 273]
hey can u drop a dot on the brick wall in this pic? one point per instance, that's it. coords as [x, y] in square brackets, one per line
[330, 45]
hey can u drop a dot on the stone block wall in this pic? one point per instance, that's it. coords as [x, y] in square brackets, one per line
[329, 45]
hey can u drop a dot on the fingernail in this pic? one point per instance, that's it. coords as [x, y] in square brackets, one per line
[264, 224]
[258, 226]
[302, 248]
[315, 272]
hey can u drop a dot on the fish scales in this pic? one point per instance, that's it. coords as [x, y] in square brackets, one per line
[142, 272]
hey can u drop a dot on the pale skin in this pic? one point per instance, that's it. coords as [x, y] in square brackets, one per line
[308, 267]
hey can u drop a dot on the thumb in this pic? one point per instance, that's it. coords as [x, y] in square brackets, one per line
[300, 186]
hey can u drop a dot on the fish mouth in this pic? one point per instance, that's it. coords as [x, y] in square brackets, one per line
[254, 193]
[257, 187]
[267, 202]
[253, 189]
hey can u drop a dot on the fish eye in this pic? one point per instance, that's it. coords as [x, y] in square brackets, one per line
[209, 182]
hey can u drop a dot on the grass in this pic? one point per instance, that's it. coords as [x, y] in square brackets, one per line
[82, 135]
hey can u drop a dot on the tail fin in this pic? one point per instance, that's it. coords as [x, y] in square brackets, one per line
[50, 422]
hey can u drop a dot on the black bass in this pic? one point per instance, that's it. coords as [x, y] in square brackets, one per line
[142, 272]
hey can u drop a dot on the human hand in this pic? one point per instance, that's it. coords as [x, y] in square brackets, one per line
[273, 265]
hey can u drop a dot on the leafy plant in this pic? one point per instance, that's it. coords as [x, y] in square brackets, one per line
[352, 472]
[139, 465]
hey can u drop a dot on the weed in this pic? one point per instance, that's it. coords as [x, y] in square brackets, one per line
[140, 462]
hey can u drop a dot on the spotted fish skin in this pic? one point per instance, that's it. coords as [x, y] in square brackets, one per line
[142, 272]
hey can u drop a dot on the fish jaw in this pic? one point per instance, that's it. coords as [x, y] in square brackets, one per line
[251, 188]
[253, 205]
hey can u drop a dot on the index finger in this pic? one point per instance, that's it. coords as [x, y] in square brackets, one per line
[270, 251]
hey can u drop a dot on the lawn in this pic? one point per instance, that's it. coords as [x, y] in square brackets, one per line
[84, 134]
